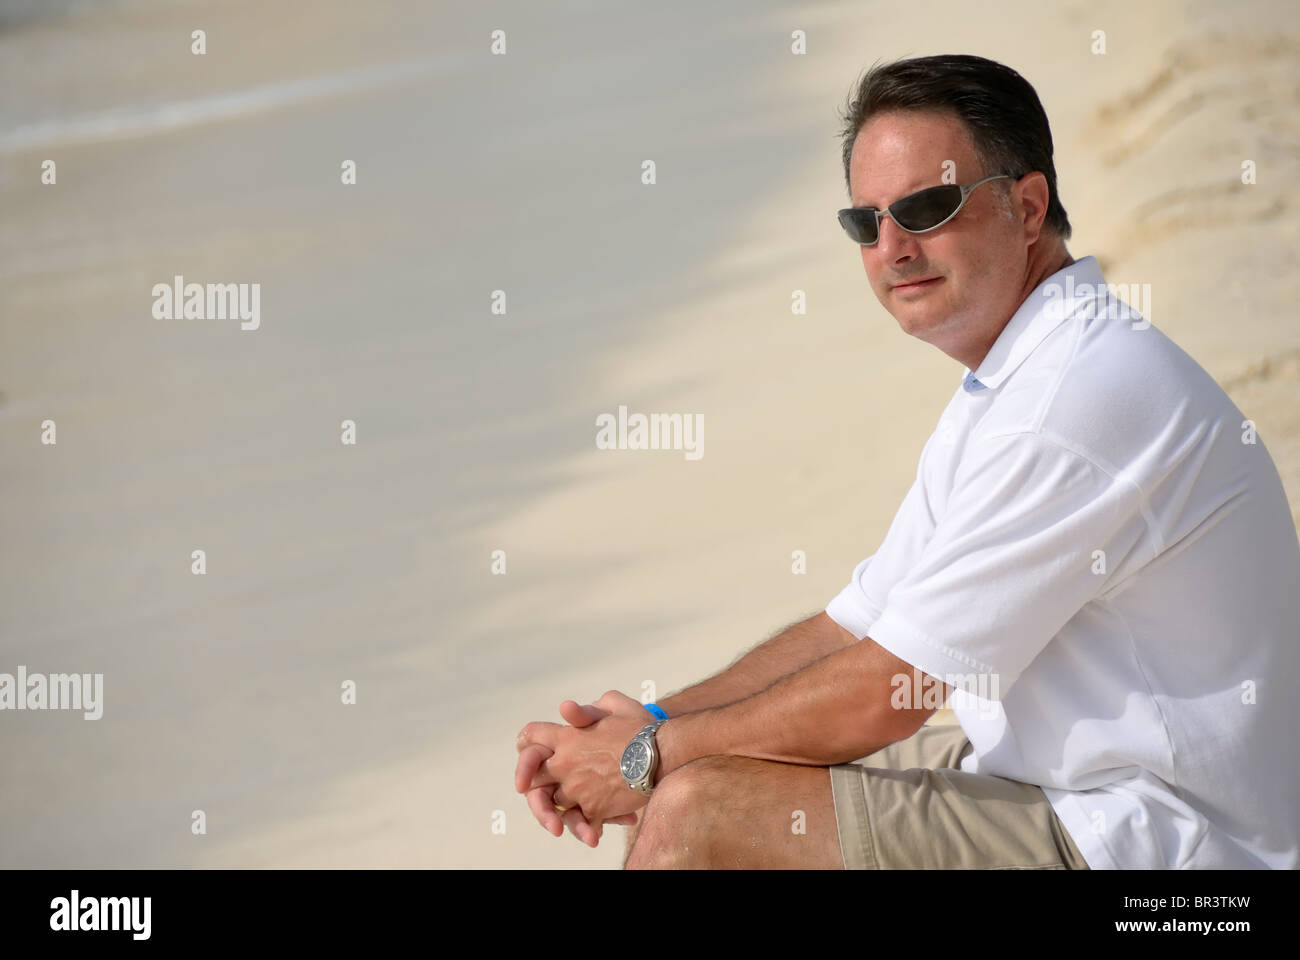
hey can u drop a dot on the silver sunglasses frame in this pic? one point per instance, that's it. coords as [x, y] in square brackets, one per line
[965, 195]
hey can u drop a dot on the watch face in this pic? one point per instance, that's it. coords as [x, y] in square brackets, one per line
[636, 760]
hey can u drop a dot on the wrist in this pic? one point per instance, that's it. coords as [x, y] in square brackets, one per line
[672, 743]
[673, 705]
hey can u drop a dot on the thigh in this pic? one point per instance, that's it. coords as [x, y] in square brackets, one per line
[908, 807]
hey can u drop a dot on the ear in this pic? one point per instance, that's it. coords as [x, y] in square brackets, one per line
[1031, 196]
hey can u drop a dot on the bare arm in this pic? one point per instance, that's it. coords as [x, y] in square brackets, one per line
[789, 651]
[835, 710]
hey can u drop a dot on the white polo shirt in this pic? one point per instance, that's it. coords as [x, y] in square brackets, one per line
[1102, 562]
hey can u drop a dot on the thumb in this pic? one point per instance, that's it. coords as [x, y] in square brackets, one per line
[615, 701]
[581, 715]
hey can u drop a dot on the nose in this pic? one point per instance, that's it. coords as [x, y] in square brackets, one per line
[895, 244]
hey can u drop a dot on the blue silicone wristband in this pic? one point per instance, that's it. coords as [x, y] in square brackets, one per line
[657, 711]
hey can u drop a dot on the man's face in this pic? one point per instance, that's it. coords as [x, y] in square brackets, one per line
[973, 266]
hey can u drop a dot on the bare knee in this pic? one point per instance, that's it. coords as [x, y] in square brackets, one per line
[673, 831]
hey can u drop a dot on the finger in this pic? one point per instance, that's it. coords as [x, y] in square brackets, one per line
[626, 820]
[529, 764]
[613, 701]
[581, 829]
[539, 801]
[608, 700]
[532, 760]
[546, 775]
[560, 798]
[581, 715]
[539, 731]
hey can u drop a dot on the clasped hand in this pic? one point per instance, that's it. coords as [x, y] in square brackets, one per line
[577, 766]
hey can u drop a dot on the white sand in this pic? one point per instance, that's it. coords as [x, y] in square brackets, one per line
[328, 563]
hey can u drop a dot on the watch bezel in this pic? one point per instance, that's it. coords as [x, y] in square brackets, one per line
[649, 750]
[643, 783]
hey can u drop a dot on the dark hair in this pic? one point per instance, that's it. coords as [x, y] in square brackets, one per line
[1000, 110]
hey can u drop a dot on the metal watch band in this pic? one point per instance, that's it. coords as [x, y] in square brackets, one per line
[647, 736]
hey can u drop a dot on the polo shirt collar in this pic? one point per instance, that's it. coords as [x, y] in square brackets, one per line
[1046, 308]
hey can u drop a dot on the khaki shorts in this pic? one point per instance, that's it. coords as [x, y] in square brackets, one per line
[907, 807]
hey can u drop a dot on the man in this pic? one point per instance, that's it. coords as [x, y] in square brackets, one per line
[1096, 560]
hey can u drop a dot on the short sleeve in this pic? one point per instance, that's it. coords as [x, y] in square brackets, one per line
[852, 608]
[1012, 559]
[858, 605]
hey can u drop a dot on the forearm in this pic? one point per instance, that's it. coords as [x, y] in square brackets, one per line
[788, 652]
[835, 710]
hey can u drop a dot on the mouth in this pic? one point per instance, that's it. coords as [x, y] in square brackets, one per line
[917, 285]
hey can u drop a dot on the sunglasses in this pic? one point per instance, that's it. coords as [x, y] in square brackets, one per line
[918, 212]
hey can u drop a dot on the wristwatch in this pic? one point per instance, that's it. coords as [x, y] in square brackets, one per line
[641, 760]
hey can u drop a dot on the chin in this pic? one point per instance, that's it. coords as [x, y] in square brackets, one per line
[913, 322]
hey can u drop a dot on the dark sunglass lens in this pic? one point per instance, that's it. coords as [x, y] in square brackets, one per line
[859, 224]
[923, 210]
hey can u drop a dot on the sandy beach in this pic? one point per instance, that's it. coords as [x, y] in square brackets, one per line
[475, 430]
